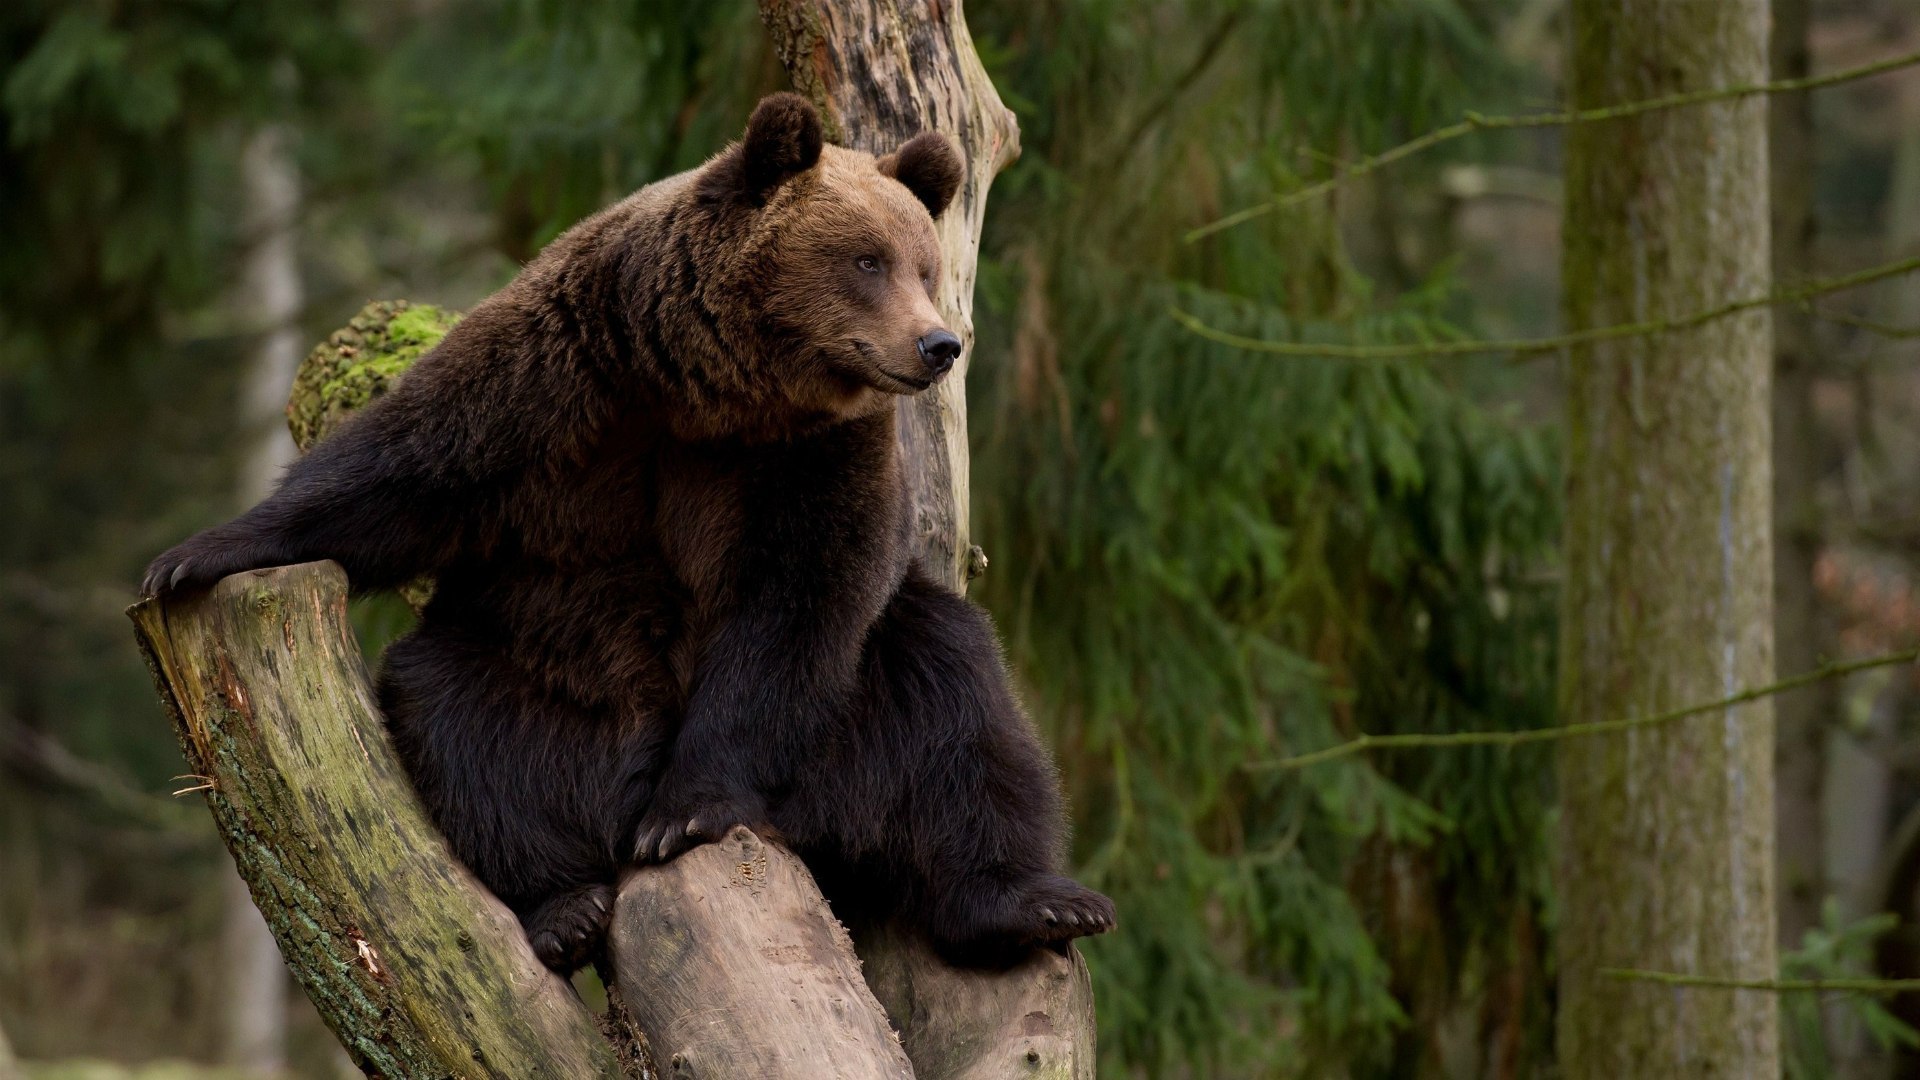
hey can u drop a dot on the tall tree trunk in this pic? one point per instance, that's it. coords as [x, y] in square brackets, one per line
[256, 987]
[1668, 832]
[882, 71]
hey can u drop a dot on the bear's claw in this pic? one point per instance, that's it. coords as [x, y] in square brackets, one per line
[200, 561]
[1046, 911]
[663, 835]
[569, 928]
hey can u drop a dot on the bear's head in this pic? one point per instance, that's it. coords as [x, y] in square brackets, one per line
[833, 254]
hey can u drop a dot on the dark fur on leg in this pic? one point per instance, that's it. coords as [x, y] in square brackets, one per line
[533, 792]
[569, 930]
[953, 798]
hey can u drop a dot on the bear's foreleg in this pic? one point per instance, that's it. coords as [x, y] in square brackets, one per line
[381, 497]
[766, 699]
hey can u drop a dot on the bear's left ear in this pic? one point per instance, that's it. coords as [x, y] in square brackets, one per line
[783, 138]
[929, 166]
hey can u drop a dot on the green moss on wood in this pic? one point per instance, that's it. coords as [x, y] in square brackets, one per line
[359, 361]
[356, 364]
[421, 974]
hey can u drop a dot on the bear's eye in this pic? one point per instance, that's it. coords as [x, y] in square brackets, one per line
[867, 264]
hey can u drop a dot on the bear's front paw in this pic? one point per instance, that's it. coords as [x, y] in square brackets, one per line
[674, 825]
[195, 564]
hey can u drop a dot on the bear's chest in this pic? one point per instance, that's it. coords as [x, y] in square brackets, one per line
[727, 514]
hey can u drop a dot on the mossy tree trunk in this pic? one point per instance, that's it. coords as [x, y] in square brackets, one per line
[1668, 831]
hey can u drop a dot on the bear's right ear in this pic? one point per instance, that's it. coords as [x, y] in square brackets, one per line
[783, 138]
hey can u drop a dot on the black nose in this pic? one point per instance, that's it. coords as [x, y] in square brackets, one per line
[939, 350]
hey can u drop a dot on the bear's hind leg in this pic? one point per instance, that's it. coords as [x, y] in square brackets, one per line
[939, 793]
[536, 795]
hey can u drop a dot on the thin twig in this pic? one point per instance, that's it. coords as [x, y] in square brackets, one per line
[1473, 122]
[1871, 326]
[1849, 986]
[1568, 731]
[1521, 347]
[38, 756]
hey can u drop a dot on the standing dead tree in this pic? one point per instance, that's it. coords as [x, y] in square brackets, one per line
[725, 962]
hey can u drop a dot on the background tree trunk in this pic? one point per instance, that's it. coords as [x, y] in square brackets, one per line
[254, 1031]
[1668, 832]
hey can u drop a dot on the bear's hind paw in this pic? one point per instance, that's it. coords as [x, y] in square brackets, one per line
[1045, 912]
[569, 928]
[1059, 909]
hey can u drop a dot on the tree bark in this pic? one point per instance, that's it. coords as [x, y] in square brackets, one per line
[1668, 832]
[733, 965]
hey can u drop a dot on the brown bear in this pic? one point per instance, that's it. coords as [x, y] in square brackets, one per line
[657, 481]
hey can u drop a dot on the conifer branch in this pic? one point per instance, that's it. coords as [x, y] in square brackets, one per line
[1524, 347]
[1567, 731]
[1850, 986]
[1473, 121]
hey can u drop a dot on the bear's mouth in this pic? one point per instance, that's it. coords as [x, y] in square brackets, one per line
[910, 383]
[914, 385]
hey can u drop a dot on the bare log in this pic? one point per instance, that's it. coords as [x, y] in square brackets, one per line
[420, 972]
[1035, 1020]
[734, 966]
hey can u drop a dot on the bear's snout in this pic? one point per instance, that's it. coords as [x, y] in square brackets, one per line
[938, 350]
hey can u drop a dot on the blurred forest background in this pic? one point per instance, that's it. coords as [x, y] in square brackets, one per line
[1202, 557]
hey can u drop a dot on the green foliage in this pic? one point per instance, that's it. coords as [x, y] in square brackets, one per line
[1203, 559]
[568, 106]
[1837, 949]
